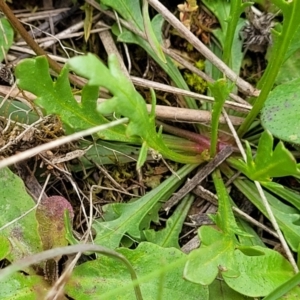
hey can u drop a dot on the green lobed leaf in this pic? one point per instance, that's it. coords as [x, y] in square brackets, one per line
[280, 114]
[57, 98]
[204, 264]
[168, 236]
[259, 275]
[252, 271]
[110, 280]
[130, 215]
[217, 247]
[126, 102]
[267, 163]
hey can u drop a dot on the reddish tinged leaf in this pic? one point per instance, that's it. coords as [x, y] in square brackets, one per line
[50, 217]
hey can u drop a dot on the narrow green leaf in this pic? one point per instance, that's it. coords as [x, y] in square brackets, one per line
[17, 111]
[170, 68]
[228, 15]
[225, 218]
[6, 37]
[88, 20]
[143, 156]
[285, 193]
[286, 216]
[129, 10]
[152, 40]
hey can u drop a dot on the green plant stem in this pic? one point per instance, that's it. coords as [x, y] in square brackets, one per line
[290, 24]
[220, 91]
[202, 142]
[32, 44]
[236, 8]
